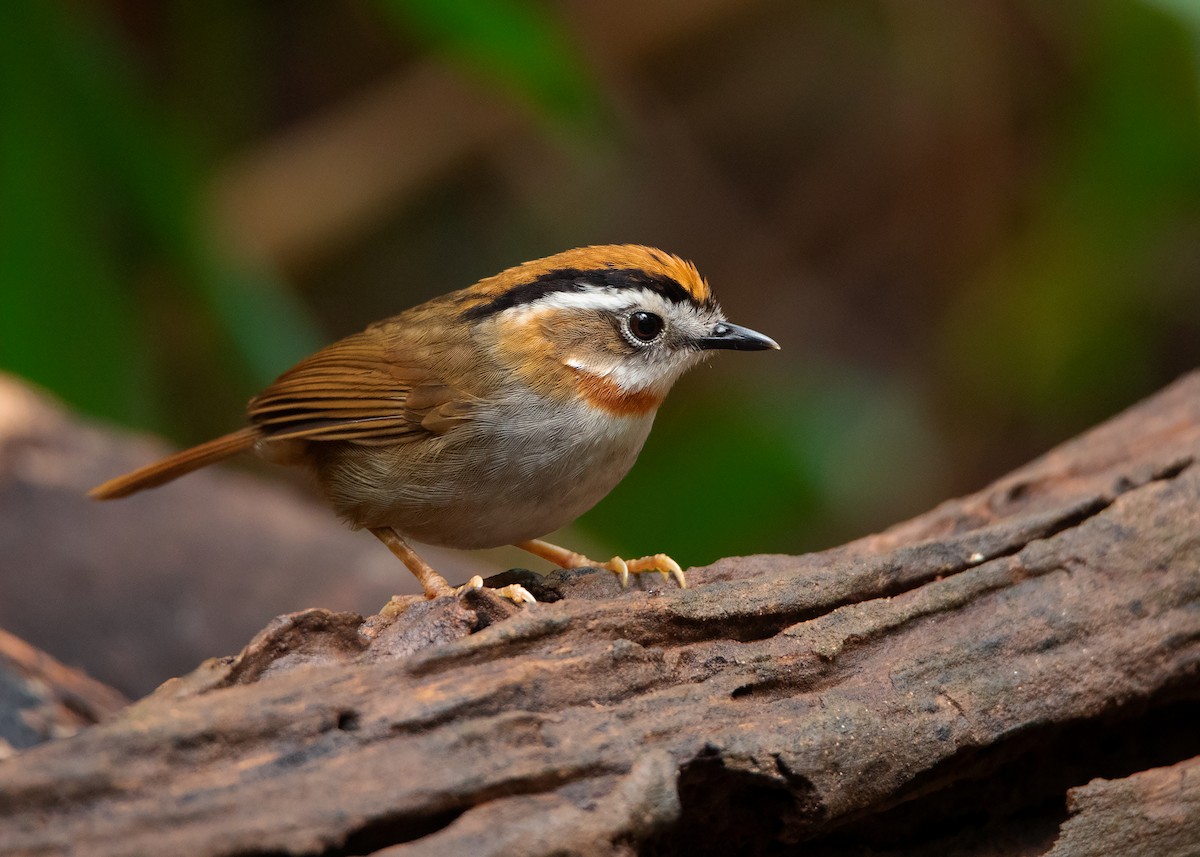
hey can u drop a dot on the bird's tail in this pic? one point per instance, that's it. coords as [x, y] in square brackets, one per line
[153, 475]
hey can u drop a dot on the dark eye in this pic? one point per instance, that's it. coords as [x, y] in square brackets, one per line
[645, 325]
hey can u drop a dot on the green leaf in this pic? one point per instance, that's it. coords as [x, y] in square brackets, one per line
[96, 189]
[519, 46]
[66, 320]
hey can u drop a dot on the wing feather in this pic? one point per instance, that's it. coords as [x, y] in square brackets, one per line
[356, 391]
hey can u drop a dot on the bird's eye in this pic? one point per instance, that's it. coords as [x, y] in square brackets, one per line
[645, 325]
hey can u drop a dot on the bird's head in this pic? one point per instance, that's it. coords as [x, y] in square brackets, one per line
[614, 325]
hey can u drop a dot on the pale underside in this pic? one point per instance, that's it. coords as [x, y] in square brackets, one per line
[448, 490]
[398, 447]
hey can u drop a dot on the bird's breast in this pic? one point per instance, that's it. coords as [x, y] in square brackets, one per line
[518, 471]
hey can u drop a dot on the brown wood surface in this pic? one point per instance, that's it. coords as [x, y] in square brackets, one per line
[937, 689]
[41, 698]
[1153, 813]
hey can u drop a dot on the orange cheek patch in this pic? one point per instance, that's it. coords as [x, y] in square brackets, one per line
[528, 353]
[602, 393]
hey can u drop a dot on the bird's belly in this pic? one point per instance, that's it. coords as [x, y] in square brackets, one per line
[514, 477]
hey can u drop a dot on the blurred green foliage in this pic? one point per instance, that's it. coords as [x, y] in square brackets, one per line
[95, 185]
[1064, 318]
[761, 470]
[514, 45]
[1082, 299]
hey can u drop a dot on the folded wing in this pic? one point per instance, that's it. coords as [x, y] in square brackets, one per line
[361, 389]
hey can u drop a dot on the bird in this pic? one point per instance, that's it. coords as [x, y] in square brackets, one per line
[488, 416]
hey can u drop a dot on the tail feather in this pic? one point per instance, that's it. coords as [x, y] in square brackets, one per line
[153, 475]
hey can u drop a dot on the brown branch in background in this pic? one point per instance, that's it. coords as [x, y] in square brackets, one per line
[45, 699]
[305, 194]
[300, 197]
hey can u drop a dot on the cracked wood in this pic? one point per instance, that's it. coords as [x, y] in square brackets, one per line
[973, 663]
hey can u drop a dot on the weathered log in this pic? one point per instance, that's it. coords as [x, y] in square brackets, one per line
[1150, 814]
[41, 698]
[935, 689]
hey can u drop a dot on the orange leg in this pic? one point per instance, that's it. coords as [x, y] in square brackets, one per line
[432, 583]
[564, 558]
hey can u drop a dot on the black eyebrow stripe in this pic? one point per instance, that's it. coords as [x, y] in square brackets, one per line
[576, 280]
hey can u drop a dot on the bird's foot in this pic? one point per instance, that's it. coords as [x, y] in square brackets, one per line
[438, 588]
[514, 592]
[622, 568]
[432, 583]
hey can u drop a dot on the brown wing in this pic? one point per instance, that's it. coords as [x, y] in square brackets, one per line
[360, 390]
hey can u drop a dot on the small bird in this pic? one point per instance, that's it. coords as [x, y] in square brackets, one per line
[492, 415]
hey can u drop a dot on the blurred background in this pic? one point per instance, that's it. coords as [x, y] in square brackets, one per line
[974, 227]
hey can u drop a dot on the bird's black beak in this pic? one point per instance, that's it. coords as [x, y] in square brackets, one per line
[733, 337]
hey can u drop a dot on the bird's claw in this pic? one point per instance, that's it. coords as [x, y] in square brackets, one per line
[660, 563]
[514, 592]
[473, 585]
[564, 558]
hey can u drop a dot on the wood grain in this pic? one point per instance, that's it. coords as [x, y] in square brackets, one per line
[934, 689]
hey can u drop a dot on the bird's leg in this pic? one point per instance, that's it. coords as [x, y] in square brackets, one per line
[622, 568]
[433, 584]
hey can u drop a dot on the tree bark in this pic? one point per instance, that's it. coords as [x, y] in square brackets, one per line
[41, 699]
[1012, 673]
